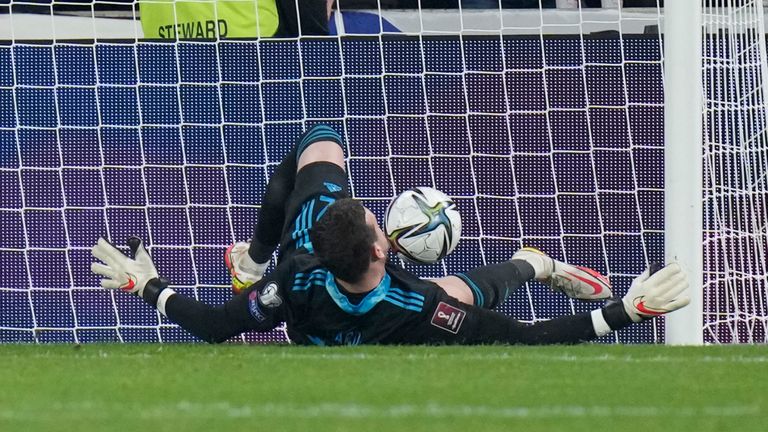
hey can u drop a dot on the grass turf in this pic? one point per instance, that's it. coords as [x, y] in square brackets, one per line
[286, 388]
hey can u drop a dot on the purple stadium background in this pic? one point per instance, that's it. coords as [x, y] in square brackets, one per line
[557, 144]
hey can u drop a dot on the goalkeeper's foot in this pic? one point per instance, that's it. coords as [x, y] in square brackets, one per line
[576, 282]
[243, 270]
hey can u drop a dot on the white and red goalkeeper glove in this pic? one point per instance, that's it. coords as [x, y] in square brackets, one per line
[657, 294]
[121, 272]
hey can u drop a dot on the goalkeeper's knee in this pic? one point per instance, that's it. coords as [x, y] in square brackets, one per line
[320, 132]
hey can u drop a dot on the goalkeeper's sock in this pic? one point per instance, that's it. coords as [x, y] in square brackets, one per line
[492, 284]
[258, 252]
[259, 255]
[266, 233]
[317, 133]
[247, 264]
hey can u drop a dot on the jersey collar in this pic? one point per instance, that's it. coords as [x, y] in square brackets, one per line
[368, 302]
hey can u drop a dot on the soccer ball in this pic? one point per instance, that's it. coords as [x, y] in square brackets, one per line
[423, 225]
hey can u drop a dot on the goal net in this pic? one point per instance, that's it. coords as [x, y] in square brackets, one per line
[545, 126]
[735, 155]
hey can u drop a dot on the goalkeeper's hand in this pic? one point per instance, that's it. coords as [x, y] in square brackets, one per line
[657, 294]
[121, 272]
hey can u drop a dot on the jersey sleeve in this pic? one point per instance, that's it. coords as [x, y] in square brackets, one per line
[261, 307]
[449, 321]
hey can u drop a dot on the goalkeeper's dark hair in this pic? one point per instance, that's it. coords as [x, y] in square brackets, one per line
[342, 240]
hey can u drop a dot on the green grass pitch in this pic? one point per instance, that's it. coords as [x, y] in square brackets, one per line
[468, 389]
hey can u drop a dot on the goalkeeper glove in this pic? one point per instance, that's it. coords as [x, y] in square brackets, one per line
[121, 272]
[655, 294]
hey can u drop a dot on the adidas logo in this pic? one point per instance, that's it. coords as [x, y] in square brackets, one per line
[332, 186]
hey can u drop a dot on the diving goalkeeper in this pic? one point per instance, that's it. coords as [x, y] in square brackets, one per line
[333, 284]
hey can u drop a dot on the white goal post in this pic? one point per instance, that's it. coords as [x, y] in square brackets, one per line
[683, 142]
[716, 154]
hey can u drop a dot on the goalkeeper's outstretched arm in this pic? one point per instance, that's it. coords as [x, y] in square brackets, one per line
[648, 297]
[139, 276]
[211, 324]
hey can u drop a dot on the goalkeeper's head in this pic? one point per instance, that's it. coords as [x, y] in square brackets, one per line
[348, 240]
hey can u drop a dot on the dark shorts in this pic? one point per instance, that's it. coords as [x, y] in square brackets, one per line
[317, 186]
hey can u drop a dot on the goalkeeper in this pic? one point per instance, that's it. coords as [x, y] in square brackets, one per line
[333, 284]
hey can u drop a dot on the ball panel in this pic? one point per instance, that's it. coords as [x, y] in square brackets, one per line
[423, 224]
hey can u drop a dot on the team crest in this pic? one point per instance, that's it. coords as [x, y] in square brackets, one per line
[332, 187]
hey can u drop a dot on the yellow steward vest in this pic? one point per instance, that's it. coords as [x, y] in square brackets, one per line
[208, 19]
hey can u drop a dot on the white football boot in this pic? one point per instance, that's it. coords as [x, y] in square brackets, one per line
[574, 281]
[243, 270]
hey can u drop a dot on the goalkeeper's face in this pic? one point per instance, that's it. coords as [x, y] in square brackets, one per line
[381, 244]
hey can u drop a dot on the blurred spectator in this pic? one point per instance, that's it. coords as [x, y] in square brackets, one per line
[642, 3]
[166, 19]
[312, 27]
[507, 4]
[360, 22]
[477, 4]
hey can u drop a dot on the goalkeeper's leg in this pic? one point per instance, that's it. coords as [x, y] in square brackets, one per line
[489, 286]
[268, 230]
[247, 262]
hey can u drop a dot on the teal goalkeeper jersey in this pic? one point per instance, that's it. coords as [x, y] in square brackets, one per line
[317, 310]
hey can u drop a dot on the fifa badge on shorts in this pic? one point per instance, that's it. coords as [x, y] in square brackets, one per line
[448, 318]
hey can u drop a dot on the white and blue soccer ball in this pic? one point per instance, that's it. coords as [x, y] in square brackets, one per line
[423, 225]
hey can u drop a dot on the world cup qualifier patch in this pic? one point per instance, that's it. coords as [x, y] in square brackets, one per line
[448, 318]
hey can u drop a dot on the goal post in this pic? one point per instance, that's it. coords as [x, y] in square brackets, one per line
[683, 209]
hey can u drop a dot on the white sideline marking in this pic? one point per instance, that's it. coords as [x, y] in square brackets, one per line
[187, 409]
[654, 359]
[323, 354]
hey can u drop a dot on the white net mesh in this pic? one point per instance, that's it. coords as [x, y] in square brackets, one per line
[546, 134]
[735, 163]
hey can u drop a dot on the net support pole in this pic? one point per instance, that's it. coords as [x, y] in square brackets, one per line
[683, 171]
